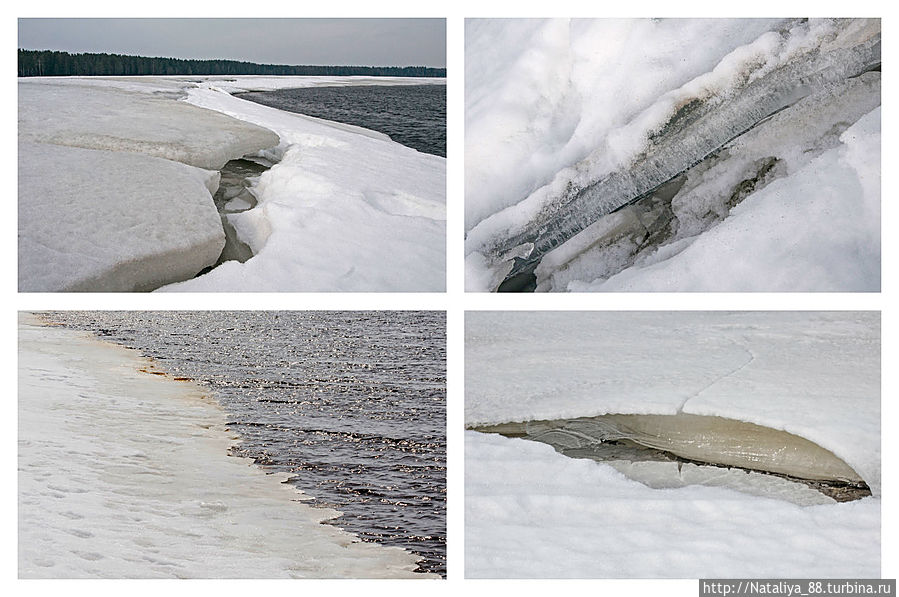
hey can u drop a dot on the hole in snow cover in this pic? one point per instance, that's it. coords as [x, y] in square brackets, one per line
[665, 451]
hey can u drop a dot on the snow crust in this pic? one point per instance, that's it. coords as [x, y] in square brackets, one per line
[553, 106]
[344, 209]
[78, 230]
[123, 474]
[533, 513]
[813, 374]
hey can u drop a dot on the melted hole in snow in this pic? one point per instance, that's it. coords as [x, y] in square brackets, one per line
[665, 451]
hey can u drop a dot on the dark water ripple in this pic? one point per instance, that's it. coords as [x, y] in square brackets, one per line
[353, 404]
[414, 115]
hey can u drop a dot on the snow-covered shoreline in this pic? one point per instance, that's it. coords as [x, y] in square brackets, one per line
[243, 83]
[126, 474]
[235, 83]
[342, 209]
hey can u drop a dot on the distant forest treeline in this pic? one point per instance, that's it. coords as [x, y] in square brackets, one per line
[45, 63]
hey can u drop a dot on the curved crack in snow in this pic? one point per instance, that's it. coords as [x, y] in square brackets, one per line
[680, 409]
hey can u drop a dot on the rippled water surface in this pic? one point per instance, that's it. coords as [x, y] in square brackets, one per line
[414, 115]
[352, 403]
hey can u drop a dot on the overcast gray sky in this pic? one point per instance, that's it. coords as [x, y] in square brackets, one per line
[362, 42]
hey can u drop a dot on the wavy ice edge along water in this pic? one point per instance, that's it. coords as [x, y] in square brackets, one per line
[116, 177]
[124, 474]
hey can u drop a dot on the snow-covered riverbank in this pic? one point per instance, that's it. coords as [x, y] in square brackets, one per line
[342, 209]
[533, 512]
[125, 474]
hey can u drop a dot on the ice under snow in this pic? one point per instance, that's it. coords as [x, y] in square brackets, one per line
[124, 474]
[342, 209]
[533, 512]
[559, 108]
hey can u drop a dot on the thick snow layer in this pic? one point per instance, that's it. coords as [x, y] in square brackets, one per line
[112, 221]
[106, 117]
[557, 108]
[126, 474]
[813, 374]
[817, 229]
[344, 209]
[531, 512]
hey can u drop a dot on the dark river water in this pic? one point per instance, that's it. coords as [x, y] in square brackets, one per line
[353, 404]
[414, 115]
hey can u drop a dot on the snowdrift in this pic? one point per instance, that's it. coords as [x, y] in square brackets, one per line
[533, 513]
[343, 209]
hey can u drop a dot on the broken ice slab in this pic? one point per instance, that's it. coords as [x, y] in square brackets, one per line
[93, 116]
[105, 221]
[115, 185]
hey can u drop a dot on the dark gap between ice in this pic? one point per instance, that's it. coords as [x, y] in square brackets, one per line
[234, 195]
